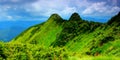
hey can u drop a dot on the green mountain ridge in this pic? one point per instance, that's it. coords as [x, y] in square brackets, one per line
[115, 19]
[59, 39]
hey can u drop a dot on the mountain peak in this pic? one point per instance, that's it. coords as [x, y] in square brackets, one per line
[55, 14]
[75, 17]
[55, 17]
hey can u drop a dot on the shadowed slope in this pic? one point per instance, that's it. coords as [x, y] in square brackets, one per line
[115, 20]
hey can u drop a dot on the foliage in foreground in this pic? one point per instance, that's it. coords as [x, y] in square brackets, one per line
[19, 51]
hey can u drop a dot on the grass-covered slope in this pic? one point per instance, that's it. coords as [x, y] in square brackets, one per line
[66, 39]
[43, 34]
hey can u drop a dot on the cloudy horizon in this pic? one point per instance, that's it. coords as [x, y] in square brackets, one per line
[15, 10]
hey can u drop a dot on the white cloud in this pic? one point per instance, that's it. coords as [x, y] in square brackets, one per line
[46, 8]
[64, 8]
[9, 17]
[100, 9]
[95, 7]
[68, 10]
[113, 10]
[67, 7]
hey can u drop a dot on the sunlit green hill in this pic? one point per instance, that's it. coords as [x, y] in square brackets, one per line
[59, 39]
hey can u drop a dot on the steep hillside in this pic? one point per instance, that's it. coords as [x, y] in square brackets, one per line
[43, 34]
[66, 39]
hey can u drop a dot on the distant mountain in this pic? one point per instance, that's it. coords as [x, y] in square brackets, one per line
[7, 34]
[66, 39]
[10, 29]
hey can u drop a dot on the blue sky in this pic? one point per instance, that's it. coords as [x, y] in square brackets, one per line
[31, 10]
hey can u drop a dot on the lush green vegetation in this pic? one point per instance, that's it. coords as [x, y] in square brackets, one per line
[59, 39]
